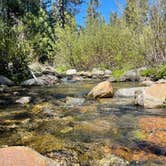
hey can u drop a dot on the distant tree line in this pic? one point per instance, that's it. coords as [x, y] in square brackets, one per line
[46, 31]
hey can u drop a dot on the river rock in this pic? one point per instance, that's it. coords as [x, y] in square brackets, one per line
[23, 156]
[5, 81]
[112, 160]
[87, 74]
[128, 92]
[71, 101]
[102, 90]
[71, 72]
[161, 81]
[107, 72]
[43, 80]
[151, 97]
[131, 75]
[97, 72]
[24, 100]
[147, 83]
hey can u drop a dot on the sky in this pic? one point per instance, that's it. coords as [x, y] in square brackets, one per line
[106, 7]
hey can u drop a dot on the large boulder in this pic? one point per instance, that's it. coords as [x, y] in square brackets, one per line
[5, 81]
[132, 75]
[151, 97]
[39, 81]
[102, 90]
[71, 72]
[23, 156]
[128, 92]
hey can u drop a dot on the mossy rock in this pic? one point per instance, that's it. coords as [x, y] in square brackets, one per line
[44, 143]
[139, 134]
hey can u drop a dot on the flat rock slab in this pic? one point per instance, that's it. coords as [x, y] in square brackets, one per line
[128, 92]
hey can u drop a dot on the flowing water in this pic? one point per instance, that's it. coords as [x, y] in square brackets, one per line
[87, 132]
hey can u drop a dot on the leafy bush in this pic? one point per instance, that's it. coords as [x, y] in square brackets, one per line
[155, 73]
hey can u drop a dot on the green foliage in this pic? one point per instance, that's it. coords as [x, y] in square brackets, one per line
[155, 73]
[30, 32]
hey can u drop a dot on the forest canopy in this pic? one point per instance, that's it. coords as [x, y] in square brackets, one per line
[46, 31]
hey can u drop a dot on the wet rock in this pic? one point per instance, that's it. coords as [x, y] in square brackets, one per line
[40, 81]
[23, 156]
[128, 92]
[102, 90]
[112, 160]
[151, 97]
[24, 100]
[5, 81]
[41, 107]
[49, 113]
[65, 157]
[71, 101]
[71, 72]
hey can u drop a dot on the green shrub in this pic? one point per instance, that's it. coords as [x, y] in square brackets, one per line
[155, 73]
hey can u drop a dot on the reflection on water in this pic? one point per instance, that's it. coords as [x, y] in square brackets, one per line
[95, 129]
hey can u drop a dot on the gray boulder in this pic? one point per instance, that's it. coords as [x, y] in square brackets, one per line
[5, 81]
[132, 75]
[40, 81]
[151, 97]
[128, 92]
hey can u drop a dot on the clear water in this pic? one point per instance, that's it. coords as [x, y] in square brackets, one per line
[93, 129]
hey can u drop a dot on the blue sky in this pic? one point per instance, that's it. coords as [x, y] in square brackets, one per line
[107, 6]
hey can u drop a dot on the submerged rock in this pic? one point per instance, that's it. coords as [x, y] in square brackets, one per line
[23, 156]
[71, 101]
[128, 92]
[102, 90]
[5, 81]
[24, 100]
[154, 128]
[151, 97]
[112, 160]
